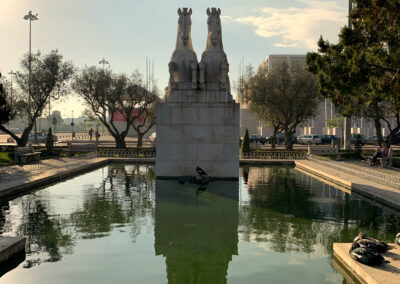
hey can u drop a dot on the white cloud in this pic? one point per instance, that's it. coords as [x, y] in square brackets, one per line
[281, 44]
[226, 17]
[300, 27]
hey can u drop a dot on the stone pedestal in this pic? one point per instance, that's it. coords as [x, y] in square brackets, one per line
[197, 133]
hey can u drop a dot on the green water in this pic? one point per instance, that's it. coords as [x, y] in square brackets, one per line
[118, 224]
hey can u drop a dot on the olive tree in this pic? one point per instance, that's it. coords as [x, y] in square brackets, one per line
[283, 97]
[47, 80]
[146, 121]
[107, 94]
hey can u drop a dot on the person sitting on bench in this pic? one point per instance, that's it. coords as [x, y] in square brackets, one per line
[380, 153]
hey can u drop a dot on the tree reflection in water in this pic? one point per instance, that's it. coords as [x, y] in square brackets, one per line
[196, 233]
[123, 198]
[295, 212]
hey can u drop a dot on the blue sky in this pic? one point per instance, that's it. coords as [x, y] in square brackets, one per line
[124, 32]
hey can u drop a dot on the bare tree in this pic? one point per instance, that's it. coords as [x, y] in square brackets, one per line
[48, 80]
[283, 97]
[108, 95]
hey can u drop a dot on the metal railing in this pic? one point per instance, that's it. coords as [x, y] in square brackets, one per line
[125, 154]
[370, 174]
[274, 156]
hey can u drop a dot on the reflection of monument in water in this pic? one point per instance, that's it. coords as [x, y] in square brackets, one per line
[196, 233]
[198, 124]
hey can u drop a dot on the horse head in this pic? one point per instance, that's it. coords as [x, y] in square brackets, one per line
[184, 27]
[214, 37]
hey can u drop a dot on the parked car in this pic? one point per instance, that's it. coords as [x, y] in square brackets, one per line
[41, 138]
[327, 139]
[373, 140]
[309, 139]
[280, 137]
[358, 137]
[153, 137]
[256, 138]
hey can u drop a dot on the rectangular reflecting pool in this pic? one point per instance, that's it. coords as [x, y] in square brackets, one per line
[118, 224]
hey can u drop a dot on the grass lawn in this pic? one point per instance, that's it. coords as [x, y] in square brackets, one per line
[5, 157]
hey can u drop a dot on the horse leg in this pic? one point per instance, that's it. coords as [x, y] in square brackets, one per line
[193, 65]
[224, 75]
[172, 67]
[202, 68]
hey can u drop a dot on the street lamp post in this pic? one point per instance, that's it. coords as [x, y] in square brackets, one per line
[104, 62]
[31, 18]
[12, 73]
[347, 120]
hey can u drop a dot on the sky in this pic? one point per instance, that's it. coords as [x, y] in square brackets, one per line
[125, 32]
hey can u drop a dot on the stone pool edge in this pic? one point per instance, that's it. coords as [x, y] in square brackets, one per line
[373, 192]
[31, 185]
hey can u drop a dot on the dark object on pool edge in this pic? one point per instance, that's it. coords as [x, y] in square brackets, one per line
[367, 250]
[366, 255]
[397, 239]
[200, 171]
[364, 241]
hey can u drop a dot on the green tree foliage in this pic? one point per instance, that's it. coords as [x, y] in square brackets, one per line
[5, 110]
[107, 94]
[246, 143]
[48, 80]
[283, 97]
[360, 74]
[50, 141]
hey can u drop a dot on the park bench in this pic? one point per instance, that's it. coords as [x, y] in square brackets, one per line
[81, 148]
[385, 162]
[323, 151]
[25, 154]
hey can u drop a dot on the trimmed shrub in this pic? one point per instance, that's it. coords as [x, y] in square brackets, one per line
[246, 143]
[396, 162]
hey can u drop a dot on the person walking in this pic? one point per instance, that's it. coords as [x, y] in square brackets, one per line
[91, 134]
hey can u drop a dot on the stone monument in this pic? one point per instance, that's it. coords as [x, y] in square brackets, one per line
[198, 123]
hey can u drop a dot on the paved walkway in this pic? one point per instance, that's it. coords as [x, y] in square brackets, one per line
[16, 179]
[359, 179]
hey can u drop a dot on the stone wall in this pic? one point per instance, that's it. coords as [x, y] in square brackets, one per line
[197, 134]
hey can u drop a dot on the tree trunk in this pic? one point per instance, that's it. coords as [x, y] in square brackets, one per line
[140, 140]
[288, 141]
[21, 142]
[273, 139]
[378, 130]
[120, 142]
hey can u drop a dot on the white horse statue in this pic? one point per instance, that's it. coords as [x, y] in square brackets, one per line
[183, 65]
[214, 65]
